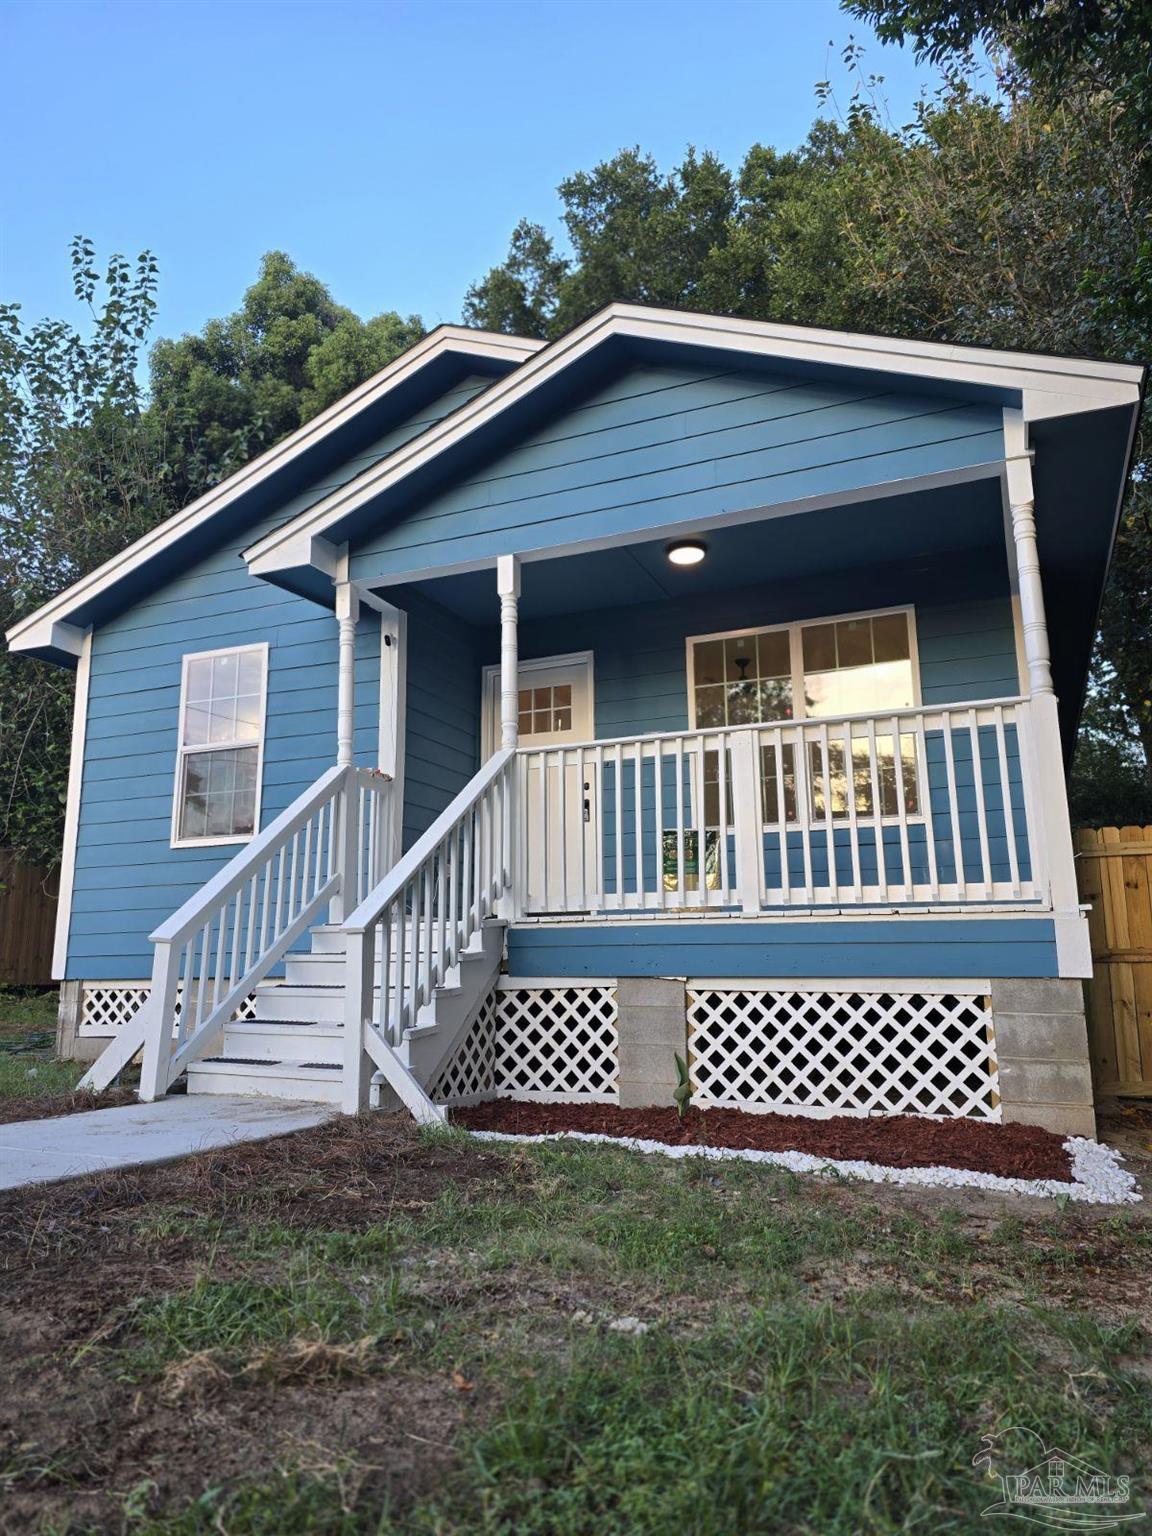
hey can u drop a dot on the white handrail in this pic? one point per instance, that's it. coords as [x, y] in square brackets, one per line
[227, 881]
[322, 852]
[408, 933]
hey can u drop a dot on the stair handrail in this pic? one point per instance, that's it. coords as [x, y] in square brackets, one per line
[223, 941]
[408, 932]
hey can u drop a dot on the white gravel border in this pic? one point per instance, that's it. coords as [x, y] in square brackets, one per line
[1098, 1174]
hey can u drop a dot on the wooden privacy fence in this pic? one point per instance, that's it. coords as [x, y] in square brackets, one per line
[27, 922]
[1115, 875]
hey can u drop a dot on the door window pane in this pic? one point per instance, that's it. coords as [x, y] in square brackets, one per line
[545, 711]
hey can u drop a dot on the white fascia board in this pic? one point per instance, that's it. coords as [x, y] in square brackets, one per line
[1074, 384]
[1051, 386]
[48, 626]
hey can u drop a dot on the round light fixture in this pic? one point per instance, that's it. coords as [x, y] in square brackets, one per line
[686, 552]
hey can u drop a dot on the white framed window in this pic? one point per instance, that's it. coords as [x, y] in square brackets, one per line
[220, 748]
[849, 664]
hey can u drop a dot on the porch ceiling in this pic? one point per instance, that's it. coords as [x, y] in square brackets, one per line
[866, 533]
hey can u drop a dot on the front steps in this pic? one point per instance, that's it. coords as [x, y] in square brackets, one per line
[294, 1046]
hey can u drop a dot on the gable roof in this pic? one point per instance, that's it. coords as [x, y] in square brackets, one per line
[446, 355]
[1042, 387]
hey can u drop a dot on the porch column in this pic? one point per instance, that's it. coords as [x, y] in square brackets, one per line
[1037, 652]
[508, 586]
[1041, 750]
[347, 612]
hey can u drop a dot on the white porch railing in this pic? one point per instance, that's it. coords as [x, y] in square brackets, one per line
[324, 851]
[409, 931]
[912, 807]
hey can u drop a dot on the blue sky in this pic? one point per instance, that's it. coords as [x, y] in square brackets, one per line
[389, 147]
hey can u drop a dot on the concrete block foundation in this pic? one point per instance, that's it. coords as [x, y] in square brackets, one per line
[1042, 1054]
[652, 1024]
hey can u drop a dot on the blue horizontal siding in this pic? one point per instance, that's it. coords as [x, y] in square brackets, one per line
[442, 724]
[964, 948]
[660, 445]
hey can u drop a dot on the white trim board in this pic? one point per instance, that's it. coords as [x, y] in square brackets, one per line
[1049, 386]
[392, 734]
[72, 810]
[49, 625]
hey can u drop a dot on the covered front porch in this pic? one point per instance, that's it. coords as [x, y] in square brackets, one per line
[839, 711]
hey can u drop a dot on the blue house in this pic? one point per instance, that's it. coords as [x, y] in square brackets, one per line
[537, 712]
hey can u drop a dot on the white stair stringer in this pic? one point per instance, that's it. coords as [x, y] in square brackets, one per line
[445, 1021]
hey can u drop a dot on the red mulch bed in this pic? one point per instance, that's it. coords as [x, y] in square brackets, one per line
[899, 1141]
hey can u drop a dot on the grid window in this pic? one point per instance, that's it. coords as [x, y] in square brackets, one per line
[744, 680]
[221, 728]
[832, 669]
[544, 711]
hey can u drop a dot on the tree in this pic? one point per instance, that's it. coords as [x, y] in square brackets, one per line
[1079, 72]
[82, 474]
[245, 381]
[1055, 47]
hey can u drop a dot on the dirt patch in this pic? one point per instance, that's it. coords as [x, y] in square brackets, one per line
[75, 1436]
[74, 1439]
[49, 1106]
[898, 1141]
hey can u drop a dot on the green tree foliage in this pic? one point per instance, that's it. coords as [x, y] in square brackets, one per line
[245, 381]
[82, 474]
[1059, 48]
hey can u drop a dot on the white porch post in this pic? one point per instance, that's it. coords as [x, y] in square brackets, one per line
[1041, 752]
[508, 586]
[347, 612]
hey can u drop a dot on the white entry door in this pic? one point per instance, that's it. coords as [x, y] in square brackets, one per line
[558, 810]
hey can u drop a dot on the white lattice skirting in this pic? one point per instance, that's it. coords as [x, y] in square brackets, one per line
[106, 1006]
[832, 1052]
[551, 1044]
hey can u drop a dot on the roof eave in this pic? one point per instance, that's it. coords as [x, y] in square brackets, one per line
[1046, 387]
[49, 631]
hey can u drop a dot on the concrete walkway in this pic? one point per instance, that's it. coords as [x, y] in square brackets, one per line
[38, 1151]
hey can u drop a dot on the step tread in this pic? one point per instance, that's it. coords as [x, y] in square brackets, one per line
[251, 1026]
[265, 1063]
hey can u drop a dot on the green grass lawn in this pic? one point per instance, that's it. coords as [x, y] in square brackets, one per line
[362, 1329]
[28, 1067]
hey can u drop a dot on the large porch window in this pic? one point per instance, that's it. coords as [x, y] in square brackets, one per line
[859, 664]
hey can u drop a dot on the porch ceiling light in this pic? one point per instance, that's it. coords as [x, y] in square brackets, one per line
[686, 552]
